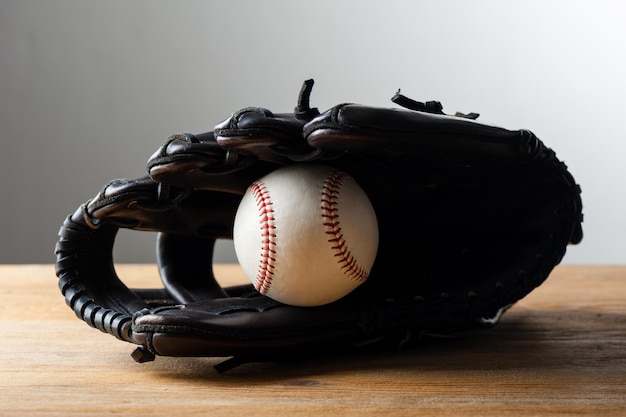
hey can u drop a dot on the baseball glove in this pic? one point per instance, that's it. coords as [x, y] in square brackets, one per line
[471, 219]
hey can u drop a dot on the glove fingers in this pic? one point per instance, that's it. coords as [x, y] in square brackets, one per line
[400, 132]
[257, 131]
[87, 278]
[189, 226]
[198, 161]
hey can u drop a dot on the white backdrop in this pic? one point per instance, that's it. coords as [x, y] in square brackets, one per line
[88, 90]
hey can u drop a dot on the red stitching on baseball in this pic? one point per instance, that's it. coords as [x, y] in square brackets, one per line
[266, 220]
[330, 196]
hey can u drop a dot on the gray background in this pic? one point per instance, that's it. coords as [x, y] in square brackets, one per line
[89, 89]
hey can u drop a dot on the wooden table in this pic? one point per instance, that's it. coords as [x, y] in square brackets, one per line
[561, 351]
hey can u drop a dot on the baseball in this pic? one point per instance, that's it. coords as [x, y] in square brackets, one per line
[306, 235]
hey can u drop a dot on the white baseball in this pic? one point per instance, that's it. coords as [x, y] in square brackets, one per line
[306, 235]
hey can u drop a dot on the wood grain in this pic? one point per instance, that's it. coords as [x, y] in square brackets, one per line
[560, 351]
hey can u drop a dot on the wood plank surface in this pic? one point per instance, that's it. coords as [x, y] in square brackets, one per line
[560, 351]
